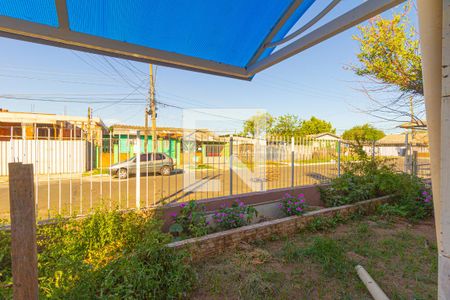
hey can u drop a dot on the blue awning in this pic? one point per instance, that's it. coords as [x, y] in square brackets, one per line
[223, 37]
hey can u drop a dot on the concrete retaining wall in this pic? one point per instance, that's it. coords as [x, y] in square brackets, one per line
[215, 243]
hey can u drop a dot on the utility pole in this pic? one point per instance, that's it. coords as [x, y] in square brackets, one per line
[89, 123]
[153, 109]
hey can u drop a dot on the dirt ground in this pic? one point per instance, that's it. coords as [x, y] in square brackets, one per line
[400, 256]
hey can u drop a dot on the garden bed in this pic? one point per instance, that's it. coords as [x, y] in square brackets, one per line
[319, 264]
[212, 244]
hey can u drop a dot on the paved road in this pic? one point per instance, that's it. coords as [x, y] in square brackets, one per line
[79, 194]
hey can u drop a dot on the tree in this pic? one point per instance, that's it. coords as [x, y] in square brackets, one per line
[363, 133]
[390, 60]
[315, 126]
[258, 124]
[286, 125]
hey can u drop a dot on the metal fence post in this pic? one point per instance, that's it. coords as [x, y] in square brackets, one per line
[339, 158]
[231, 165]
[405, 163]
[292, 162]
[373, 150]
[137, 150]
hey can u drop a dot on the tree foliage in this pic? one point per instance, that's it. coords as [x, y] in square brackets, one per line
[287, 125]
[389, 54]
[363, 133]
[315, 126]
[390, 61]
[258, 124]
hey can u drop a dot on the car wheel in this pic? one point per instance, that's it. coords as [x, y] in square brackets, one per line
[165, 171]
[123, 173]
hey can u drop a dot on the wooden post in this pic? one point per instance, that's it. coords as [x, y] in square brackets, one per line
[23, 231]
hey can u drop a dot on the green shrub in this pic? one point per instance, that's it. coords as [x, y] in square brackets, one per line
[110, 255]
[293, 206]
[5, 264]
[235, 216]
[372, 177]
[190, 222]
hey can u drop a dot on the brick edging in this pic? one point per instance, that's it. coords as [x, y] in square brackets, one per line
[214, 243]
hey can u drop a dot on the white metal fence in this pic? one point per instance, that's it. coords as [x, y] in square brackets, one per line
[47, 156]
[72, 174]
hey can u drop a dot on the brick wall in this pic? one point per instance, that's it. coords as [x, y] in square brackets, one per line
[311, 192]
[215, 243]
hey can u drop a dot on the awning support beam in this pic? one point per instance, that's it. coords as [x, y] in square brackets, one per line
[64, 38]
[63, 16]
[294, 6]
[351, 18]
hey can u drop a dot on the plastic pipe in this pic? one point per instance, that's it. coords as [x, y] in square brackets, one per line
[373, 288]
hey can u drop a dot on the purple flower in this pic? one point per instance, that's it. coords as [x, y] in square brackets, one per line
[302, 201]
[173, 215]
[424, 193]
[182, 205]
[299, 208]
[289, 209]
[427, 200]
[241, 204]
[241, 216]
[301, 195]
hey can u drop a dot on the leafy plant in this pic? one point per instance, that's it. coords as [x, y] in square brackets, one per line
[190, 221]
[372, 177]
[108, 255]
[5, 264]
[293, 206]
[235, 216]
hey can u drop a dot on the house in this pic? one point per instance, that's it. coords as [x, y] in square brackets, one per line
[25, 136]
[170, 140]
[395, 144]
[30, 125]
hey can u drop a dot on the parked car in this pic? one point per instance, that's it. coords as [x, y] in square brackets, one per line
[151, 162]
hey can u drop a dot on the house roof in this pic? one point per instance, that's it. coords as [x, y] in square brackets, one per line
[226, 37]
[174, 132]
[420, 138]
[44, 118]
[319, 135]
[418, 124]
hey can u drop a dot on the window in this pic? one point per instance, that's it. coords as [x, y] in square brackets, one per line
[213, 150]
[144, 157]
[159, 156]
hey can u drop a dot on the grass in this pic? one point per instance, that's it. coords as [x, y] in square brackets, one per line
[316, 264]
[96, 172]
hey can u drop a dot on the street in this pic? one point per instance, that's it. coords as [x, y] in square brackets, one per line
[79, 194]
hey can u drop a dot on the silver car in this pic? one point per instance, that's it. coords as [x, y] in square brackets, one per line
[152, 163]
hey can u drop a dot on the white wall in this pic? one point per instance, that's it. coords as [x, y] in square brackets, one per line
[47, 156]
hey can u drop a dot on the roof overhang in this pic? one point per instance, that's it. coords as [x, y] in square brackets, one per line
[63, 36]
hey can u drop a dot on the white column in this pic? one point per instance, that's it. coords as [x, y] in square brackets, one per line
[444, 256]
[431, 27]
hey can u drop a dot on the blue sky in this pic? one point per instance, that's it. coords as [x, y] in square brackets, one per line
[314, 82]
